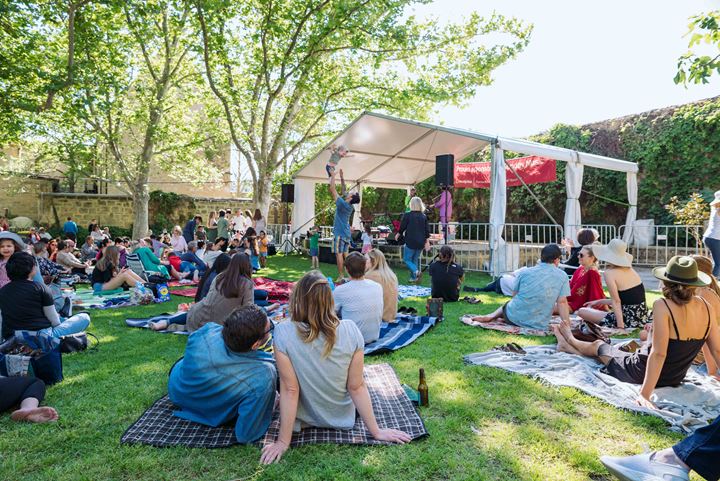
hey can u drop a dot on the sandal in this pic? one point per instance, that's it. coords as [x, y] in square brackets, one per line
[471, 300]
[510, 347]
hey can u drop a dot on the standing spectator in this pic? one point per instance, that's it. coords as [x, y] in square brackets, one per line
[177, 240]
[367, 239]
[314, 243]
[416, 232]
[263, 248]
[212, 226]
[712, 234]
[259, 223]
[411, 193]
[91, 225]
[223, 226]
[70, 229]
[188, 231]
[238, 223]
[248, 221]
[44, 235]
[4, 225]
[200, 233]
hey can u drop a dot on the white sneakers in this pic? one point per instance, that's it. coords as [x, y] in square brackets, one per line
[643, 467]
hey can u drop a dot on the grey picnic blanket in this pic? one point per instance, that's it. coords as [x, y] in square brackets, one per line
[405, 291]
[693, 404]
[393, 409]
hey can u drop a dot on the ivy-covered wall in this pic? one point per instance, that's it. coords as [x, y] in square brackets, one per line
[677, 149]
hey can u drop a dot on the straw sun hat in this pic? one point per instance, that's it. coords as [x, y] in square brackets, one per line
[682, 270]
[615, 253]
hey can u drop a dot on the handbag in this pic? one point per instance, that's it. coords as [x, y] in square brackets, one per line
[45, 359]
[589, 332]
[78, 342]
[434, 307]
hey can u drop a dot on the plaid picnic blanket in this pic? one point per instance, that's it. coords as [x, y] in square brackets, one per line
[405, 291]
[144, 323]
[393, 409]
[189, 292]
[404, 331]
[500, 325]
[182, 283]
[278, 291]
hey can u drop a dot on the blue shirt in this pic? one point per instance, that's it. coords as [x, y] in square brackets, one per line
[192, 258]
[537, 289]
[213, 385]
[341, 226]
[70, 227]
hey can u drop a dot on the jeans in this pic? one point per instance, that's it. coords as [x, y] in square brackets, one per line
[71, 325]
[700, 451]
[714, 246]
[411, 257]
[187, 267]
[261, 298]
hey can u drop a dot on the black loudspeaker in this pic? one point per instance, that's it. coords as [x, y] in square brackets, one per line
[287, 193]
[445, 169]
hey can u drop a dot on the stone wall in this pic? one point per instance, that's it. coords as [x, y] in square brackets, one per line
[21, 197]
[115, 210]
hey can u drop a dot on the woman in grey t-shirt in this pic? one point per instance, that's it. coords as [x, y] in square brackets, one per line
[320, 362]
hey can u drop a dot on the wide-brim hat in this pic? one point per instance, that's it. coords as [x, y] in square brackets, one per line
[682, 270]
[615, 253]
[13, 237]
[716, 200]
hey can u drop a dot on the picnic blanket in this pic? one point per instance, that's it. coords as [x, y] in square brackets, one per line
[405, 291]
[278, 291]
[404, 331]
[393, 409]
[500, 325]
[144, 323]
[693, 404]
[184, 282]
[88, 299]
[188, 292]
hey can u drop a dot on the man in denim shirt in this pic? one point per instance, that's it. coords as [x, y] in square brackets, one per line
[537, 289]
[224, 376]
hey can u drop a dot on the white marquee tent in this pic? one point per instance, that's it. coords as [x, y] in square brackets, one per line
[391, 152]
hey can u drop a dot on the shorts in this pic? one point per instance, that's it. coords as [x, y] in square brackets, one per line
[263, 254]
[366, 248]
[340, 245]
[314, 251]
[329, 168]
[635, 316]
[98, 287]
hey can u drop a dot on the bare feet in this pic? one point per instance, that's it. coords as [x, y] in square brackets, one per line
[562, 344]
[43, 414]
[564, 329]
[158, 326]
[486, 318]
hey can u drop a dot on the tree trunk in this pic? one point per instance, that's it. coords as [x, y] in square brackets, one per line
[141, 199]
[262, 195]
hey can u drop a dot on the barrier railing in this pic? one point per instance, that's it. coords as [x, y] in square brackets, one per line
[654, 245]
[469, 240]
[277, 231]
[606, 232]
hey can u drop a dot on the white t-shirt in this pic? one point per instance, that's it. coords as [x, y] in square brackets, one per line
[366, 239]
[362, 303]
[238, 222]
[713, 229]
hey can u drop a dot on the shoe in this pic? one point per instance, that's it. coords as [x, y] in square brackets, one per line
[418, 276]
[643, 467]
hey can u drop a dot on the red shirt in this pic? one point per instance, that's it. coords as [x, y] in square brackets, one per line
[175, 261]
[585, 286]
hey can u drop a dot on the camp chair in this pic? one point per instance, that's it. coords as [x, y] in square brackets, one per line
[135, 264]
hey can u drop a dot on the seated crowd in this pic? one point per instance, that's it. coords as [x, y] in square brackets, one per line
[315, 371]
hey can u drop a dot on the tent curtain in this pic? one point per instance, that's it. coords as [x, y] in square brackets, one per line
[573, 185]
[304, 206]
[632, 191]
[357, 216]
[498, 204]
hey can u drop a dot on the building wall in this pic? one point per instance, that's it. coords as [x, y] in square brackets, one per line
[19, 197]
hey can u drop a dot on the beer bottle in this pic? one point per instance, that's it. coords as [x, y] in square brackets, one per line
[423, 388]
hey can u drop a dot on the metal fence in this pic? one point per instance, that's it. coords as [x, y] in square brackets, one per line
[651, 245]
[654, 245]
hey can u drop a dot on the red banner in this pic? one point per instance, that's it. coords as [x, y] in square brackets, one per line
[533, 170]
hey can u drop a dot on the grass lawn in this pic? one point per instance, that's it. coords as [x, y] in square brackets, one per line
[484, 423]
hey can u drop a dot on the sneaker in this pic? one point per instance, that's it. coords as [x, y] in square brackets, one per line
[643, 467]
[418, 276]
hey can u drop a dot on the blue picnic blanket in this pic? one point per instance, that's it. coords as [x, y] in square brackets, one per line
[405, 291]
[404, 331]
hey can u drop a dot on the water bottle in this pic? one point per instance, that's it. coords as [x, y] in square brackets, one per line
[332, 284]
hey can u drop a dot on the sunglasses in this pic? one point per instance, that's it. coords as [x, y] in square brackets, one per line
[271, 329]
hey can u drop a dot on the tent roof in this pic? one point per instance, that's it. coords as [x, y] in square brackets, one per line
[392, 152]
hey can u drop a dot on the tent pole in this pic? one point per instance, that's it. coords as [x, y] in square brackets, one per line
[512, 169]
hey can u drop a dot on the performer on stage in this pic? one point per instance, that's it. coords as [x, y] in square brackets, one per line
[444, 205]
[341, 224]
